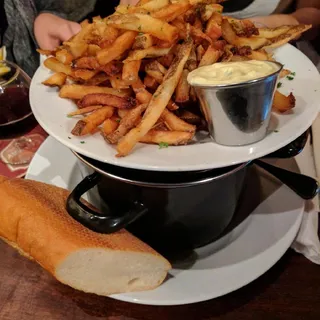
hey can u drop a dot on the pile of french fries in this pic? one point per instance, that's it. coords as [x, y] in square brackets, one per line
[127, 73]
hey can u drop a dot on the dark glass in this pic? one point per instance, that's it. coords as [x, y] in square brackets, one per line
[16, 118]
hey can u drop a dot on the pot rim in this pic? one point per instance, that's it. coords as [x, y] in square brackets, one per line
[202, 179]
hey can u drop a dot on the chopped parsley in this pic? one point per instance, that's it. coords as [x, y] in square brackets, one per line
[293, 73]
[276, 131]
[69, 137]
[279, 85]
[139, 28]
[82, 142]
[163, 145]
[118, 120]
[290, 78]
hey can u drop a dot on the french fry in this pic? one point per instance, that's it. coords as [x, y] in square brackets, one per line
[200, 51]
[270, 33]
[109, 126]
[142, 95]
[253, 42]
[92, 50]
[146, 24]
[153, 5]
[152, 52]
[64, 56]
[117, 82]
[119, 46]
[174, 123]
[292, 34]
[284, 73]
[46, 52]
[107, 100]
[213, 28]
[130, 71]
[56, 66]
[182, 90]
[156, 70]
[282, 103]
[127, 123]
[166, 60]
[190, 117]
[87, 63]
[172, 11]
[84, 111]
[90, 123]
[172, 138]
[77, 92]
[82, 74]
[158, 102]
[56, 80]
[211, 56]
[123, 112]
[142, 41]
[150, 82]
[111, 68]
[77, 49]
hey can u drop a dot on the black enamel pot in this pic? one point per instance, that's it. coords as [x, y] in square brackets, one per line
[192, 208]
[171, 209]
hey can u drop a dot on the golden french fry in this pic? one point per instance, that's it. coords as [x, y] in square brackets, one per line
[142, 95]
[270, 33]
[77, 92]
[282, 103]
[130, 71]
[127, 123]
[213, 28]
[64, 56]
[158, 102]
[150, 82]
[82, 74]
[292, 34]
[152, 52]
[109, 126]
[107, 100]
[182, 90]
[77, 49]
[112, 68]
[119, 46]
[156, 70]
[172, 11]
[85, 31]
[142, 41]
[284, 73]
[84, 110]
[87, 63]
[253, 42]
[189, 117]
[90, 123]
[200, 51]
[166, 60]
[146, 24]
[166, 138]
[174, 123]
[56, 80]
[211, 56]
[56, 66]
[46, 52]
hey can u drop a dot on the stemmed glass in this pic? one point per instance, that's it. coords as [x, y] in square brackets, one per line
[16, 117]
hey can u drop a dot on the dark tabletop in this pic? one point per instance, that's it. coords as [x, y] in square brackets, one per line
[290, 290]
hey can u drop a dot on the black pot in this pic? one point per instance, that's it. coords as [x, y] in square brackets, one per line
[173, 211]
[187, 209]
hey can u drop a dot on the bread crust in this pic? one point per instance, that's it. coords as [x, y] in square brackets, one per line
[35, 222]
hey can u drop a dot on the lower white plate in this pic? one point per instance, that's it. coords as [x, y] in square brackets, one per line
[225, 266]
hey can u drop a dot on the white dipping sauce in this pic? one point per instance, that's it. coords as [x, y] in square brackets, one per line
[227, 73]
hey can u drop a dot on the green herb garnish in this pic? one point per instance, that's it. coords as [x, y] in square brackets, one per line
[290, 78]
[279, 85]
[293, 73]
[139, 28]
[163, 145]
[276, 131]
[118, 120]
[69, 137]
[82, 142]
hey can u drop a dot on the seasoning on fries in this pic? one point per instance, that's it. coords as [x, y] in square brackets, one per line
[127, 73]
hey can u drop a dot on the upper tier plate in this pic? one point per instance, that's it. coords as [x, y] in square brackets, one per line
[51, 112]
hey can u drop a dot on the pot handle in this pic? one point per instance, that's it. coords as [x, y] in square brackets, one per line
[94, 220]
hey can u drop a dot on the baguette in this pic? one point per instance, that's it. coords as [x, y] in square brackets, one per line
[33, 220]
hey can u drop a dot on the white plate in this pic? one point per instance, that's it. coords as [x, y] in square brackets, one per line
[51, 112]
[227, 265]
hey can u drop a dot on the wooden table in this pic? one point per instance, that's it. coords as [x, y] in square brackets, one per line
[290, 290]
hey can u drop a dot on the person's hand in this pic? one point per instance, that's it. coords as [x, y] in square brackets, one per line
[50, 30]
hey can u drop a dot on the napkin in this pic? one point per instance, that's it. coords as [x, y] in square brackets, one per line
[307, 241]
